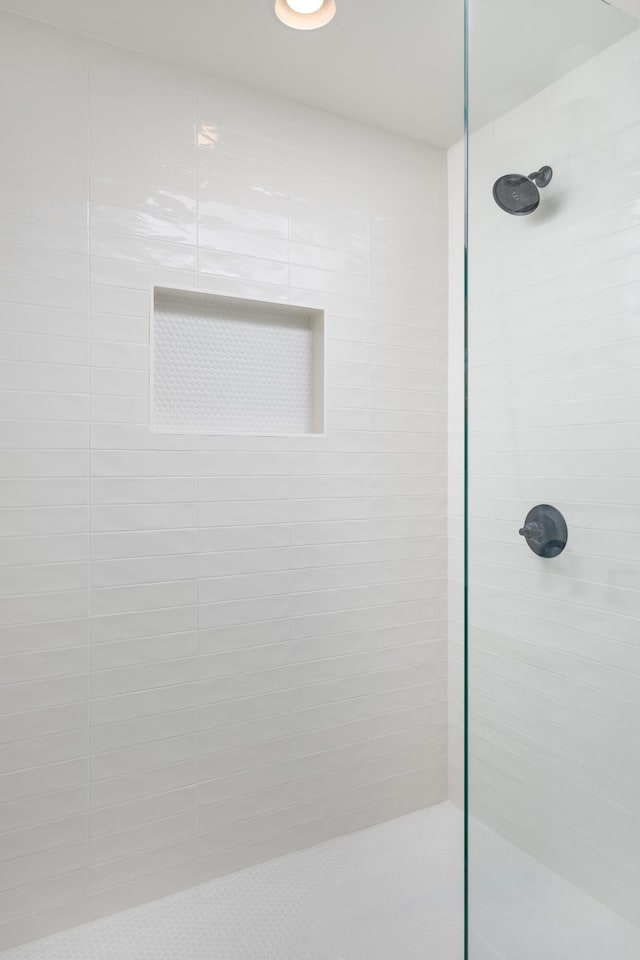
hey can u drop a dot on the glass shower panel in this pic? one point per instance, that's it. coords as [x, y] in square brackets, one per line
[553, 531]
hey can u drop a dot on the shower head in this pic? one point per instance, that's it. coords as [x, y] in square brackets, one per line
[520, 195]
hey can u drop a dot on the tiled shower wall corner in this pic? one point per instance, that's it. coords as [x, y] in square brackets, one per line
[214, 650]
[554, 362]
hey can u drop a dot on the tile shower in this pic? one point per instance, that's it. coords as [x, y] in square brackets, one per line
[215, 649]
[277, 391]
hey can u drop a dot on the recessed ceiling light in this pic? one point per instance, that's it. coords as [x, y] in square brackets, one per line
[305, 6]
[305, 14]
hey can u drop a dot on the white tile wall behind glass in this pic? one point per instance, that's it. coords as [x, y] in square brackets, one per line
[554, 362]
[455, 475]
[214, 650]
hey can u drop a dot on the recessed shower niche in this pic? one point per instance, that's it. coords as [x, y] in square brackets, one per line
[225, 365]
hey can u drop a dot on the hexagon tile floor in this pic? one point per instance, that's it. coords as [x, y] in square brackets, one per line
[385, 893]
[392, 892]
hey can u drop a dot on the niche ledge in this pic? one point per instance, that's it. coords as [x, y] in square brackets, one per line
[226, 365]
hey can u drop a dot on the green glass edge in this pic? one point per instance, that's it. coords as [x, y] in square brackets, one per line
[466, 483]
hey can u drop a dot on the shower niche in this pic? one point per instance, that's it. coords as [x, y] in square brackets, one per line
[233, 366]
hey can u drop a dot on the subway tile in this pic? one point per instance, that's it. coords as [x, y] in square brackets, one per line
[145, 783]
[128, 816]
[50, 491]
[147, 836]
[113, 300]
[145, 623]
[53, 377]
[39, 348]
[241, 636]
[245, 243]
[246, 586]
[238, 636]
[243, 685]
[124, 220]
[106, 600]
[143, 463]
[127, 356]
[67, 689]
[112, 518]
[48, 606]
[107, 573]
[245, 267]
[41, 578]
[119, 410]
[229, 612]
[144, 703]
[127, 733]
[245, 537]
[244, 758]
[42, 722]
[242, 488]
[223, 513]
[43, 207]
[25, 667]
[113, 381]
[43, 319]
[115, 872]
[21, 754]
[244, 709]
[123, 329]
[43, 291]
[122, 653]
[40, 780]
[150, 543]
[148, 676]
[57, 833]
[247, 660]
[25, 904]
[62, 916]
[230, 563]
[136, 758]
[18, 434]
[33, 637]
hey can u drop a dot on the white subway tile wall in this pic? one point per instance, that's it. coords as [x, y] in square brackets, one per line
[555, 391]
[214, 649]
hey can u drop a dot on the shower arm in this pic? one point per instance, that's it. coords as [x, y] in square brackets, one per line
[541, 177]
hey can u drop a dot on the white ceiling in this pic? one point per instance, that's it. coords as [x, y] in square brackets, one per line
[395, 63]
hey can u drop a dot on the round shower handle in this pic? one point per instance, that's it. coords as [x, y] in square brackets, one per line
[545, 531]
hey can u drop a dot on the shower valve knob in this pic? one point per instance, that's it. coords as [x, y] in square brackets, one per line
[532, 531]
[545, 531]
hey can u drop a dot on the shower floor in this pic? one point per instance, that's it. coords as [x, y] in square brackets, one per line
[521, 910]
[392, 892]
[385, 893]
